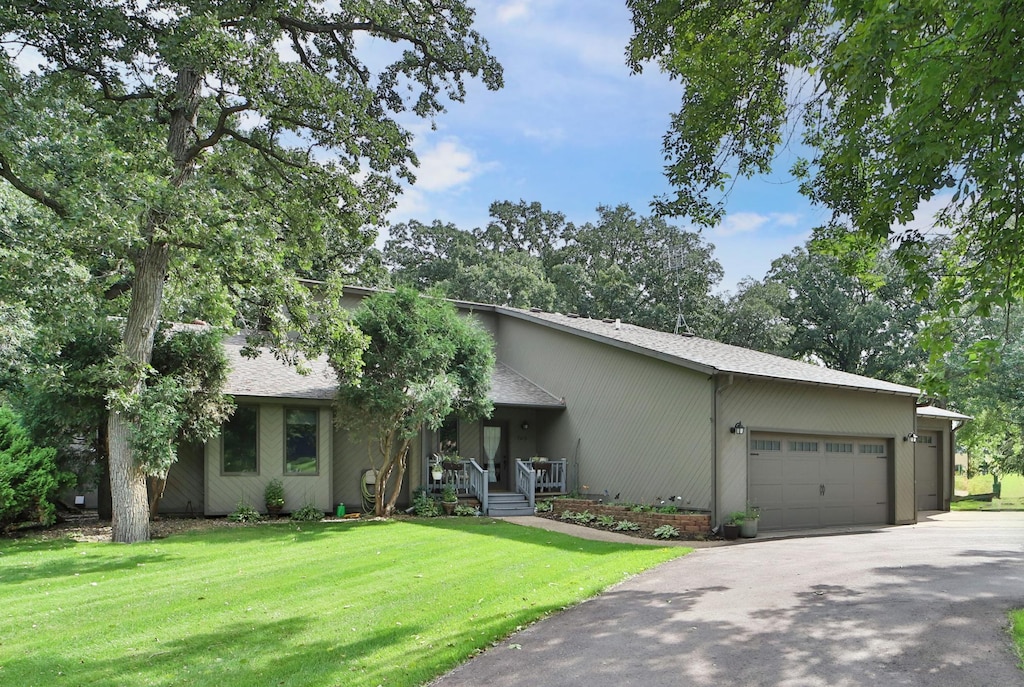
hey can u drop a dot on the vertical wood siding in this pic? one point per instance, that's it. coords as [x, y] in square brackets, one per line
[643, 426]
[351, 459]
[802, 408]
[184, 490]
[223, 492]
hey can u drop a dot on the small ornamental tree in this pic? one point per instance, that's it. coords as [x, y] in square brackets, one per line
[29, 478]
[422, 362]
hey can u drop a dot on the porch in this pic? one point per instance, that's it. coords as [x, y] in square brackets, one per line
[473, 481]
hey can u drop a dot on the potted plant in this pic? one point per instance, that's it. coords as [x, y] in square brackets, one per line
[451, 461]
[273, 497]
[748, 527]
[731, 526]
[449, 499]
[436, 470]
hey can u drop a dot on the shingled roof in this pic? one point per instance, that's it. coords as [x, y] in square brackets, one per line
[267, 377]
[704, 355]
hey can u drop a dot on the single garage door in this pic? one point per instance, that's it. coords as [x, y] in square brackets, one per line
[927, 467]
[803, 481]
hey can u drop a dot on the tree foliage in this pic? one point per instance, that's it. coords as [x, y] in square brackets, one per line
[422, 362]
[897, 104]
[206, 152]
[618, 266]
[29, 478]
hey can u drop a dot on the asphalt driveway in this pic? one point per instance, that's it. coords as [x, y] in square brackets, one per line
[921, 605]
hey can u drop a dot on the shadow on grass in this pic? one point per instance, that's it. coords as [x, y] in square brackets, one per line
[13, 572]
[296, 652]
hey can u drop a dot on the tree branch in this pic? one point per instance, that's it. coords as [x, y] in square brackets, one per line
[32, 192]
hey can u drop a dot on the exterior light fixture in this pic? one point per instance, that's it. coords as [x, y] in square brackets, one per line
[912, 438]
[525, 426]
[738, 428]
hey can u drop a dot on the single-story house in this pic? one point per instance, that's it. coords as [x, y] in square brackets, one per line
[621, 412]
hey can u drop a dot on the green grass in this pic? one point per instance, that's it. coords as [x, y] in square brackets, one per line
[1017, 632]
[367, 603]
[1012, 493]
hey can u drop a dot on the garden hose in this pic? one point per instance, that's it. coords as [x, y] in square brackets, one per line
[369, 491]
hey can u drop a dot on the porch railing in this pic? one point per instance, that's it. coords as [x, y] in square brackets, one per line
[550, 476]
[478, 483]
[526, 481]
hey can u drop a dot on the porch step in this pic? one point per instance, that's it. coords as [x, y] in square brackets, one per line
[502, 504]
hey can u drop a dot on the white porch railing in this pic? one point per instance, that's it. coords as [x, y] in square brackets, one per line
[526, 481]
[550, 476]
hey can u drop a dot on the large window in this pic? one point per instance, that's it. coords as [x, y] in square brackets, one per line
[300, 456]
[240, 434]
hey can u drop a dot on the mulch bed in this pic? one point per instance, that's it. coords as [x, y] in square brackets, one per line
[645, 532]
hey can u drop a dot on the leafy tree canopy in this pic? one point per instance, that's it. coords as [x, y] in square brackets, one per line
[640, 269]
[898, 104]
[199, 155]
[421, 362]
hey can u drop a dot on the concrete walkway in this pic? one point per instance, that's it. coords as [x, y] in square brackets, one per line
[920, 606]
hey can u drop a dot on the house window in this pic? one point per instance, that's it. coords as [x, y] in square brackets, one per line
[765, 445]
[925, 439]
[448, 437]
[239, 439]
[300, 455]
[831, 447]
[873, 449]
[804, 446]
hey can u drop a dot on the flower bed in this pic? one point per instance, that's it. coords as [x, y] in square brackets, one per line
[690, 525]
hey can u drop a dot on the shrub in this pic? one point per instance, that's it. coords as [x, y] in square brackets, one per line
[626, 526]
[666, 532]
[605, 520]
[244, 513]
[29, 478]
[308, 513]
[463, 509]
[273, 495]
[544, 506]
[424, 505]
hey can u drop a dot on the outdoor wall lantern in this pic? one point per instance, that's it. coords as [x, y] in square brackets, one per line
[525, 426]
[912, 438]
[738, 428]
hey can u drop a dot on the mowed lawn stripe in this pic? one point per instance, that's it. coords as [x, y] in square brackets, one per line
[373, 603]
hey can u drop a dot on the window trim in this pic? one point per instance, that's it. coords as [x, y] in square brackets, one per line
[284, 442]
[223, 453]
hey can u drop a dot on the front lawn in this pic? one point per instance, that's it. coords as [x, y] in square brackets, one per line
[366, 603]
[1017, 632]
[1012, 493]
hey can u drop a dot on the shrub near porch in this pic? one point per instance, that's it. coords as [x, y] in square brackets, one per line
[690, 525]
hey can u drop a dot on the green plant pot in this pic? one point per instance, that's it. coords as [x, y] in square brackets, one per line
[748, 529]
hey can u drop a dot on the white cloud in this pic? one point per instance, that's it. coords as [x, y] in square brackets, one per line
[924, 217]
[511, 11]
[749, 222]
[447, 165]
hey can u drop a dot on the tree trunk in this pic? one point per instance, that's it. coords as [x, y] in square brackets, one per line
[130, 521]
[400, 461]
[155, 486]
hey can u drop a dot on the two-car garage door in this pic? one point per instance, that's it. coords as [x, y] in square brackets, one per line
[803, 481]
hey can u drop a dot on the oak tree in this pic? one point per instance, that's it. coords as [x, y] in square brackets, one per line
[211, 148]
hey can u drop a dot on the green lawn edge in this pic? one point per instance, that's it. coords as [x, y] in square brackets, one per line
[365, 603]
[1017, 634]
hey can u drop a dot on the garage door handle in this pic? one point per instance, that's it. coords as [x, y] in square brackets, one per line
[821, 490]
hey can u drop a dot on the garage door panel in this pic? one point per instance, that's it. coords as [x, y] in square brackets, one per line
[804, 490]
[766, 471]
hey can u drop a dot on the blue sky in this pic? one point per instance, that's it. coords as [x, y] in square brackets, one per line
[573, 129]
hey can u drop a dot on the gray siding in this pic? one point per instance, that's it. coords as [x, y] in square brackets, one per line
[642, 426]
[946, 447]
[183, 492]
[223, 492]
[804, 408]
[351, 459]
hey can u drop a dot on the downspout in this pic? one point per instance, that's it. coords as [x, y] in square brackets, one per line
[715, 448]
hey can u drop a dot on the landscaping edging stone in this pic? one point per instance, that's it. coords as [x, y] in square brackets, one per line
[686, 523]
